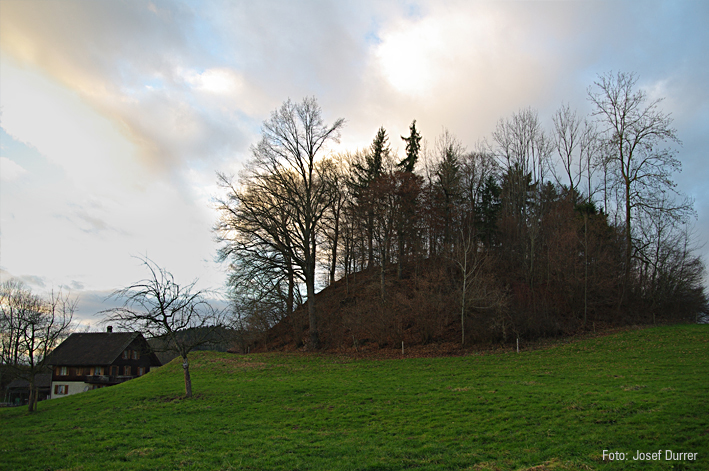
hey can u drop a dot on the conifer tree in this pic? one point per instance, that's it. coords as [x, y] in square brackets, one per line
[413, 146]
[365, 175]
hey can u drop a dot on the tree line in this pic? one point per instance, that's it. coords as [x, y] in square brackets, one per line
[535, 232]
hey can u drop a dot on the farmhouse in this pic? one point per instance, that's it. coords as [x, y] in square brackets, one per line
[18, 391]
[94, 360]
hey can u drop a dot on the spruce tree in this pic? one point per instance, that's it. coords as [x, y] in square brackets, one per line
[413, 145]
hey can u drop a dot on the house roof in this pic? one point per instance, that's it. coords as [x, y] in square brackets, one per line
[94, 348]
[41, 380]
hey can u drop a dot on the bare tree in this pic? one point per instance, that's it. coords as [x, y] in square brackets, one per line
[179, 316]
[521, 142]
[476, 168]
[478, 291]
[567, 140]
[636, 129]
[255, 230]
[523, 151]
[32, 327]
[468, 264]
[13, 296]
[670, 274]
[287, 168]
[335, 173]
[578, 147]
[385, 206]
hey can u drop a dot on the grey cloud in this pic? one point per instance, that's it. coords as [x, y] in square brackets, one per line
[77, 285]
[5, 275]
[109, 52]
[33, 280]
[531, 54]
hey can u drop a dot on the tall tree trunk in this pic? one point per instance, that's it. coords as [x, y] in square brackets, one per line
[291, 292]
[628, 236]
[310, 285]
[31, 401]
[381, 280]
[401, 254]
[370, 241]
[462, 300]
[188, 380]
[312, 316]
[333, 266]
[296, 325]
[585, 265]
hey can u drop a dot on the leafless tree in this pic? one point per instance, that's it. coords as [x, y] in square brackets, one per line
[385, 206]
[333, 219]
[524, 150]
[287, 168]
[180, 317]
[669, 273]
[32, 326]
[14, 296]
[578, 147]
[256, 235]
[636, 129]
[476, 167]
[521, 141]
[567, 140]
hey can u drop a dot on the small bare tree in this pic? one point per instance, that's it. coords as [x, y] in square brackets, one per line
[478, 291]
[566, 140]
[179, 316]
[32, 327]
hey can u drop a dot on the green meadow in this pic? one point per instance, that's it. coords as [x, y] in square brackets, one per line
[551, 409]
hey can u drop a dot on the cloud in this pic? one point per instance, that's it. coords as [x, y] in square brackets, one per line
[9, 170]
[34, 280]
[126, 61]
[76, 285]
[132, 106]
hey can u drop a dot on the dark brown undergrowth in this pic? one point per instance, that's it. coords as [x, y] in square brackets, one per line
[422, 311]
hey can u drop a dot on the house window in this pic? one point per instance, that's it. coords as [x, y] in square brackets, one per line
[62, 371]
[135, 355]
[141, 370]
[98, 370]
[126, 354]
[126, 370]
[61, 389]
[114, 371]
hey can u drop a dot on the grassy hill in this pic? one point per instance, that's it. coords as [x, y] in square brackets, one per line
[551, 409]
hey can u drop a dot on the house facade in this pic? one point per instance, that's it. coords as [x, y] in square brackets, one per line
[86, 361]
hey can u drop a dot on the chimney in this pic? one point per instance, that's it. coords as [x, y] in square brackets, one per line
[109, 329]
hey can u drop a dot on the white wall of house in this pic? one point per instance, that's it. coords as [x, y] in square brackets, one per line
[73, 387]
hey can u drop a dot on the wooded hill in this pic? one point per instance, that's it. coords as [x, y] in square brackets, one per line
[538, 233]
[423, 309]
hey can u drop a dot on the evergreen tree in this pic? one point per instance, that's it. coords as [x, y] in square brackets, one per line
[365, 174]
[489, 210]
[413, 145]
[448, 182]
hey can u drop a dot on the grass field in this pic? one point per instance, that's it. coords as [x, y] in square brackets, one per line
[550, 409]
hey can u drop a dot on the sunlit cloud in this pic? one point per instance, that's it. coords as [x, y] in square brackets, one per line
[120, 113]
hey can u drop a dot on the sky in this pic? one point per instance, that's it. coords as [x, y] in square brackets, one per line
[116, 116]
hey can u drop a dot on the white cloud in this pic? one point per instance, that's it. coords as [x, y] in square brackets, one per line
[134, 105]
[9, 170]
